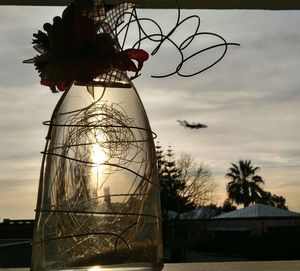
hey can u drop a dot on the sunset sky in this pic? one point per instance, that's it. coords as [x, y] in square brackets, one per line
[250, 100]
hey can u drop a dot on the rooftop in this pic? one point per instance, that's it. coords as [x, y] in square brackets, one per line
[258, 210]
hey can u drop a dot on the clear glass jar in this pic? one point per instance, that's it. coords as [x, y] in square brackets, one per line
[98, 201]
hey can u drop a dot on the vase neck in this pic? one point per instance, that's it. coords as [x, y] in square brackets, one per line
[114, 79]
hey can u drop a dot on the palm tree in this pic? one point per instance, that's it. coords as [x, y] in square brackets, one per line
[245, 186]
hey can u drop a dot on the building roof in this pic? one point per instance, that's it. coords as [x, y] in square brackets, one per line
[199, 213]
[258, 210]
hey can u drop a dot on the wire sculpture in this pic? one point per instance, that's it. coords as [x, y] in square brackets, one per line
[96, 142]
[160, 38]
[88, 151]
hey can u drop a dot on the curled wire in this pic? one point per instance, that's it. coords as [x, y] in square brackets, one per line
[78, 220]
[160, 38]
[73, 212]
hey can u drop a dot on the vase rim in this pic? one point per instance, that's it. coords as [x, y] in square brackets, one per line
[105, 83]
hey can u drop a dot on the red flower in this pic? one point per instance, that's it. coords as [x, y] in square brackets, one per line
[73, 51]
[123, 60]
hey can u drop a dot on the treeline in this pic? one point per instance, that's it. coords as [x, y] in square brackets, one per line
[187, 185]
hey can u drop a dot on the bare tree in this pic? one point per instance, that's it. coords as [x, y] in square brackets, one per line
[200, 185]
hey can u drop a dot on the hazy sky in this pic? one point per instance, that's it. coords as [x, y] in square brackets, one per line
[250, 100]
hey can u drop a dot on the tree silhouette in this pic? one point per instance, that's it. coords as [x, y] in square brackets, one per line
[273, 200]
[172, 187]
[199, 182]
[245, 186]
[185, 184]
[227, 206]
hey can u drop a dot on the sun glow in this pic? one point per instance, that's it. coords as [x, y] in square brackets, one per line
[98, 158]
[95, 268]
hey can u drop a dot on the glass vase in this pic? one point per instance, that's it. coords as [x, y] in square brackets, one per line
[98, 201]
